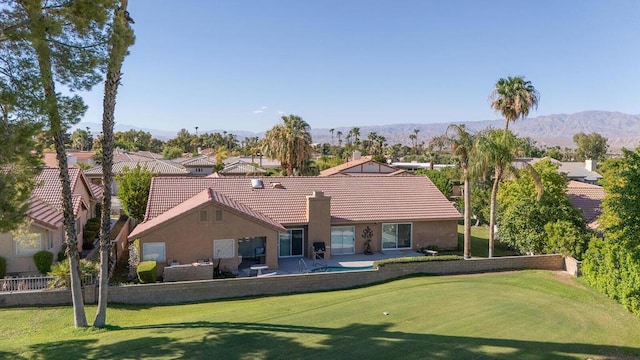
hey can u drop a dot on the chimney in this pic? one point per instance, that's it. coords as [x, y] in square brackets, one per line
[590, 164]
[319, 221]
[71, 160]
[357, 155]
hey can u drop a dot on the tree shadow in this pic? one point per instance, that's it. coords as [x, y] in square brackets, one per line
[231, 340]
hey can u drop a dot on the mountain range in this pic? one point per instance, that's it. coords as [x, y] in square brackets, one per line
[621, 130]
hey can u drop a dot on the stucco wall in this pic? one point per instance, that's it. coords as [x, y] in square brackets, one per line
[165, 293]
[187, 239]
[24, 264]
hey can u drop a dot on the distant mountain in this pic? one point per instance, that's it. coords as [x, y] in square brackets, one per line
[621, 130]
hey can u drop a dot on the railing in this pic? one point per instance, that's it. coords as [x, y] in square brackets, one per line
[33, 283]
[302, 266]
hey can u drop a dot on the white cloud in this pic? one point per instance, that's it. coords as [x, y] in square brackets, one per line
[260, 110]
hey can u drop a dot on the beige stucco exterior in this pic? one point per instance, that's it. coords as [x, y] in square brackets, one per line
[24, 264]
[189, 239]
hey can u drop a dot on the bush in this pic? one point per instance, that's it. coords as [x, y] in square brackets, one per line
[417, 259]
[88, 238]
[3, 267]
[93, 226]
[147, 272]
[62, 254]
[43, 260]
[94, 220]
[62, 278]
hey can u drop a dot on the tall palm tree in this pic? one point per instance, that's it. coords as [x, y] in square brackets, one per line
[331, 131]
[498, 149]
[462, 143]
[514, 97]
[289, 142]
[355, 132]
[339, 134]
[121, 38]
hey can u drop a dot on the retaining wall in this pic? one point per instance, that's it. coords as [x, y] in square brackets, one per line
[189, 291]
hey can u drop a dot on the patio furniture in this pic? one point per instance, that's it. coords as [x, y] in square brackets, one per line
[259, 254]
[259, 269]
[319, 249]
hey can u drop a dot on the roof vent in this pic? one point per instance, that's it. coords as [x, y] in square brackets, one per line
[257, 183]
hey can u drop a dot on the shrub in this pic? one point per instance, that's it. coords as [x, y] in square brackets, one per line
[62, 254]
[92, 226]
[43, 260]
[62, 278]
[3, 267]
[147, 272]
[88, 238]
[417, 259]
[94, 220]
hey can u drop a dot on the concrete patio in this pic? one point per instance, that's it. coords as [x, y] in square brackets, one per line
[298, 265]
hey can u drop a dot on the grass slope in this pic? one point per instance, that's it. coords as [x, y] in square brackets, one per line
[525, 315]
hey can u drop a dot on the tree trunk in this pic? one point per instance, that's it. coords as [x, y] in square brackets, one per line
[121, 39]
[467, 215]
[43, 53]
[492, 214]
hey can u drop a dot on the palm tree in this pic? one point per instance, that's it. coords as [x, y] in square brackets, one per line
[514, 97]
[339, 134]
[121, 38]
[355, 132]
[498, 149]
[290, 143]
[461, 143]
[331, 131]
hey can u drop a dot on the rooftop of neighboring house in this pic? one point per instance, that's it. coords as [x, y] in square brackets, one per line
[362, 166]
[124, 155]
[581, 171]
[241, 168]
[586, 197]
[73, 157]
[160, 167]
[45, 204]
[283, 199]
[196, 161]
[262, 161]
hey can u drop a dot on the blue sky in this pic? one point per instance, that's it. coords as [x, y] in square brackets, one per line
[240, 64]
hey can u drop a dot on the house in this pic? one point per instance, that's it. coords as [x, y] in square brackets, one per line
[46, 231]
[159, 167]
[263, 162]
[74, 157]
[587, 198]
[230, 219]
[198, 165]
[363, 166]
[578, 171]
[241, 168]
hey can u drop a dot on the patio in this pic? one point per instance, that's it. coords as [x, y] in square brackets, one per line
[294, 265]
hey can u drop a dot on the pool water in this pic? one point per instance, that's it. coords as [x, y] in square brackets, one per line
[341, 268]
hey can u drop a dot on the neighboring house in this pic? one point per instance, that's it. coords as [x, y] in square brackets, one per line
[241, 168]
[579, 171]
[124, 155]
[45, 212]
[230, 218]
[159, 167]
[74, 157]
[363, 166]
[263, 162]
[197, 166]
[587, 198]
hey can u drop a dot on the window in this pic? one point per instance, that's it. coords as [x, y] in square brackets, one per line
[218, 215]
[49, 240]
[343, 240]
[203, 215]
[198, 169]
[224, 249]
[27, 243]
[396, 236]
[153, 251]
[291, 243]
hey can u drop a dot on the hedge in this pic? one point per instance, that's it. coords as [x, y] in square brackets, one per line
[417, 259]
[43, 260]
[147, 272]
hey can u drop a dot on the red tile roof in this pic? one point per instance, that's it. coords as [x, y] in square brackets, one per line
[353, 199]
[586, 197]
[205, 197]
[43, 214]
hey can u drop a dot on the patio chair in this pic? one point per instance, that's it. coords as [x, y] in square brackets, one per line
[259, 254]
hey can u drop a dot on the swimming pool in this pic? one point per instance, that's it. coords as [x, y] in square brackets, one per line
[341, 268]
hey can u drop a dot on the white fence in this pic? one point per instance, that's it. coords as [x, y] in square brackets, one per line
[33, 283]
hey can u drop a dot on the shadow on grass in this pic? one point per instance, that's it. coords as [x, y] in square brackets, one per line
[228, 340]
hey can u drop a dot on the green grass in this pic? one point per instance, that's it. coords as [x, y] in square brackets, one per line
[480, 243]
[516, 315]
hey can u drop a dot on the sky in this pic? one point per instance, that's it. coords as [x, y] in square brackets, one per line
[242, 64]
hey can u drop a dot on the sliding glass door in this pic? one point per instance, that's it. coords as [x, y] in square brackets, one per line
[343, 240]
[291, 243]
[396, 236]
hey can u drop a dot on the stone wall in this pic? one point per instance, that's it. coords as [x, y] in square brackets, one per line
[189, 291]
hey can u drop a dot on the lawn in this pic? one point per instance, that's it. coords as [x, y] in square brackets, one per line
[524, 315]
[480, 243]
